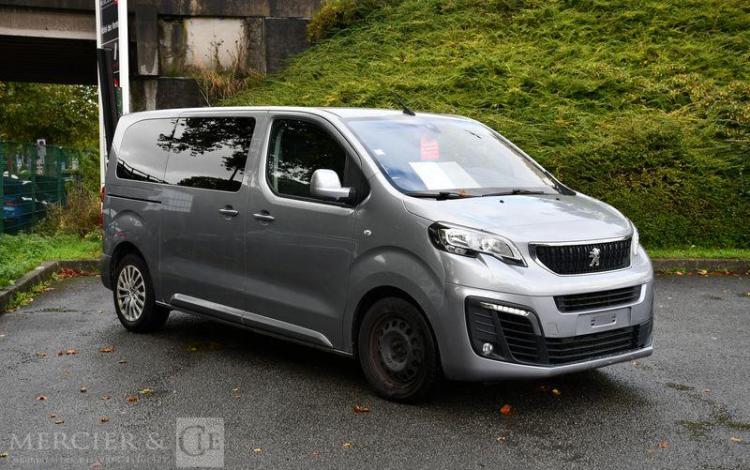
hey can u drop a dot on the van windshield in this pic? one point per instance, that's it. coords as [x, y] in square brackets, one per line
[430, 155]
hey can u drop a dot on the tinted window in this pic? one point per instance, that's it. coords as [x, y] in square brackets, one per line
[141, 157]
[209, 153]
[296, 150]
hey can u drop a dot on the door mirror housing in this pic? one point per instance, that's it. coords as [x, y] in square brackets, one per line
[325, 184]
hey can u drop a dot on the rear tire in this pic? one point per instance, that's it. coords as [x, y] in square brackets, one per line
[134, 298]
[397, 352]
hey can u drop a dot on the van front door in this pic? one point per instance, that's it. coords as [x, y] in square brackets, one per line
[204, 211]
[300, 248]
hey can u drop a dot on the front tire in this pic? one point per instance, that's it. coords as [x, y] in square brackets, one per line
[397, 352]
[134, 297]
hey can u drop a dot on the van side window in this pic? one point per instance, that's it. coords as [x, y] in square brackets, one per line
[296, 149]
[141, 157]
[209, 152]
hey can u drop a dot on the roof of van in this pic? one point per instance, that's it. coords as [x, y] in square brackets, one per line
[345, 113]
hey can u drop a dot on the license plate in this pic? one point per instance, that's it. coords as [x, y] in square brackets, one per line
[602, 321]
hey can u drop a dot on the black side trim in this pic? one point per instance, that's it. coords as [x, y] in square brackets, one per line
[130, 198]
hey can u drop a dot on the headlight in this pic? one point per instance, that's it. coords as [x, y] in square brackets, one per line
[468, 242]
[635, 240]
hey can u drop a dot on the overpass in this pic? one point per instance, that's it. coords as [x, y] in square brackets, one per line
[54, 41]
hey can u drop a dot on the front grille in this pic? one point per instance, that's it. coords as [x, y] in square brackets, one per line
[519, 339]
[581, 348]
[601, 299]
[581, 259]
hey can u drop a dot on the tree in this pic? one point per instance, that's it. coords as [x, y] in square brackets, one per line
[65, 115]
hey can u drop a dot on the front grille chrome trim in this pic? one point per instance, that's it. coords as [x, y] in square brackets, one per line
[532, 252]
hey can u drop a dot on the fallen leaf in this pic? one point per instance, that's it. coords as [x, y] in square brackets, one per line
[84, 389]
[41, 397]
[361, 409]
[51, 415]
[702, 272]
[236, 392]
[41, 354]
[556, 392]
[664, 445]
[636, 363]
[60, 353]
[505, 410]
[107, 349]
[316, 454]
[60, 421]
[71, 351]
[104, 419]
[679, 273]
[501, 438]
[257, 450]
[146, 391]
[3, 455]
[105, 397]
[736, 440]
[706, 390]
[132, 398]
[347, 445]
[122, 361]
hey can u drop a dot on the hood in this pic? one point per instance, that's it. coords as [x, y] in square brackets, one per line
[528, 218]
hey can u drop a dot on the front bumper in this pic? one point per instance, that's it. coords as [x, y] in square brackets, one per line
[463, 361]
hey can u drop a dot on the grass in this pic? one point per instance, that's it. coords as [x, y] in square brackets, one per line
[21, 253]
[22, 298]
[643, 104]
[702, 253]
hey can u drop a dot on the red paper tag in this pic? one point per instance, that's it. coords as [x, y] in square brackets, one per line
[429, 149]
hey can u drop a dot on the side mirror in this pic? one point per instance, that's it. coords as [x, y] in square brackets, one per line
[325, 184]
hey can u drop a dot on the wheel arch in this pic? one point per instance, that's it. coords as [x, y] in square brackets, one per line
[123, 249]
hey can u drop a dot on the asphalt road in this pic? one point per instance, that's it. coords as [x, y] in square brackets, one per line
[286, 406]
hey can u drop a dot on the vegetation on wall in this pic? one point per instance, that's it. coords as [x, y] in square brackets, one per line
[643, 104]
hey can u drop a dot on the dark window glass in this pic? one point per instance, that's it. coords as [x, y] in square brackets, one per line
[297, 149]
[209, 152]
[141, 156]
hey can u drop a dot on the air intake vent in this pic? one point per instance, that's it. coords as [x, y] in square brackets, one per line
[517, 338]
[591, 300]
[583, 259]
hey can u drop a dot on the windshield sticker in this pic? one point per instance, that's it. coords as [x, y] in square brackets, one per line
[443, 175]
[429, 149]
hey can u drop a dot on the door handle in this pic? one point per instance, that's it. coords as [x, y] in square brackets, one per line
[263, 216]
[228, 211]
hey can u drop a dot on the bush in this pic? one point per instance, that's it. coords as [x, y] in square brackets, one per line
[79, 216]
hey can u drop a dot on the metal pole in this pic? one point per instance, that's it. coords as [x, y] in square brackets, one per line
[122, 29]
[102, 141]
[2, 198]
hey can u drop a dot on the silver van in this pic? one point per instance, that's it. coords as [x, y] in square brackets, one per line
[423, 245]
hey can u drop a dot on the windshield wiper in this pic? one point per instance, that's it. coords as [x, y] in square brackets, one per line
[514, 192]
[439, 196]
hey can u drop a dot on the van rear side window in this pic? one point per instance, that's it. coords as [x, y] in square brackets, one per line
[143, 153]
[210, 152]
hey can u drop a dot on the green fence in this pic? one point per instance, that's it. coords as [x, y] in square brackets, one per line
[34, 178]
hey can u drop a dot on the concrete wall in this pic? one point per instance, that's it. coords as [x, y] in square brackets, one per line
[170, 40]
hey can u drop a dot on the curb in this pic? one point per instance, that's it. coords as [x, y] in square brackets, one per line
[678, 264]
[43, 273]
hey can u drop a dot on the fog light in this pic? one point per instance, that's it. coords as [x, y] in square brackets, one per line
[505, 309]
[487, 349]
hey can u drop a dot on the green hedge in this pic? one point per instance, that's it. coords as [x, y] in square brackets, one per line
[644, 104]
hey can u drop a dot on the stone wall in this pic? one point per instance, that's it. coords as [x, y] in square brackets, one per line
[176, 38]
